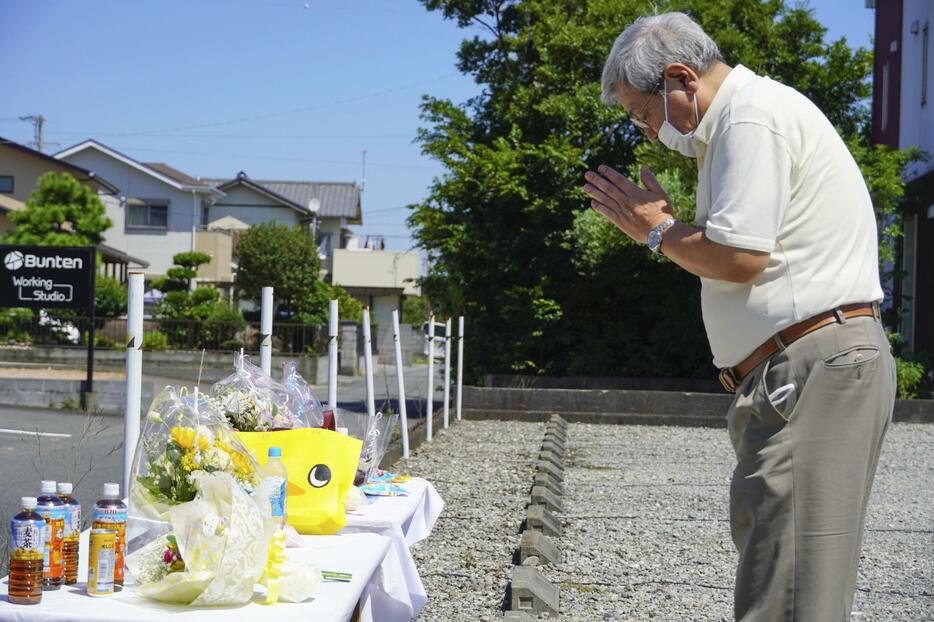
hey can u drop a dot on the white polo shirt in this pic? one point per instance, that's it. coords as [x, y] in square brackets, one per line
[775, 176]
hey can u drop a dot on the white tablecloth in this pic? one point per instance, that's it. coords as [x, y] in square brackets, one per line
[378, 584]
[405, 520]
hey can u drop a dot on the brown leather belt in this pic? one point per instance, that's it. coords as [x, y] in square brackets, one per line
[732, 377]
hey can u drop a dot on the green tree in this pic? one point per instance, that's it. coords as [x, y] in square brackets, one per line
[110, 297]
[60, 212]
[415, 310]
[511, 241]
[284, 258]
[215, 322]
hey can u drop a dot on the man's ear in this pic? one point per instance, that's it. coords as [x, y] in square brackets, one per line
[683, 74]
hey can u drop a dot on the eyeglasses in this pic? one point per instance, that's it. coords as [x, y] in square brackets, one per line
[637, 118]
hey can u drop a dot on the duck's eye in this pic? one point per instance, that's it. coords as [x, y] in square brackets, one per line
[319, 476]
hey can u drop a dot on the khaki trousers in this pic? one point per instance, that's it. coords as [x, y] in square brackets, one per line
[807, 426]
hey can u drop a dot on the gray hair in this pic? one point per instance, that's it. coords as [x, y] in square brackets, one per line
[642, 51]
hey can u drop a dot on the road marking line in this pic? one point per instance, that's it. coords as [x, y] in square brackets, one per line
[29, 433]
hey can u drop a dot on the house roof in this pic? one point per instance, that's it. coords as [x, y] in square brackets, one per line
[81, 174]
[174, 173]
[337, 199]
[166, 175]
[109, 252]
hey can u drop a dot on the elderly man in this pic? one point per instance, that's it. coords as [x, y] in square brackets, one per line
[784, 242]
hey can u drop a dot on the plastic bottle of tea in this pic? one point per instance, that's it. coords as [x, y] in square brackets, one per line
[51, 508]
[110, 513]
[27, 550]
[72, 532]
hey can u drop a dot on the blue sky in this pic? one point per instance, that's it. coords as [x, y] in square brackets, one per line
[270, 87]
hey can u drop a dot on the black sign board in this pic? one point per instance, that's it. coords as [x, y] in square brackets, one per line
[47, 277]
[52, 277]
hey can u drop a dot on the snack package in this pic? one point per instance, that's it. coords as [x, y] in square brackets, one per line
[321, 466]
[375, 432]
[252, 401]
[301, 398]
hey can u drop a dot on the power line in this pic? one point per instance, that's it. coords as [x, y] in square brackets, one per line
[272, 115]
[271, 157]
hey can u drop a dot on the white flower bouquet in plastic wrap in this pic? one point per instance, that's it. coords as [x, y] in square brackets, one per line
[375, 432]
[199, 523]
[252, 401]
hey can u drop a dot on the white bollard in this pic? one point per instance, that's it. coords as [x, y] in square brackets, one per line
[368, 364]
[447, 372]
[265, 332]
[430, 402]
[134, 374]
[460, 363]
[333, 315]
[400, 381]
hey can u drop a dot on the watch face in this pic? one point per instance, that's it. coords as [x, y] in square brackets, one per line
[655, 238]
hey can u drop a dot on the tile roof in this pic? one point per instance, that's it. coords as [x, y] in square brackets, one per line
[174, 173]
[338, 199]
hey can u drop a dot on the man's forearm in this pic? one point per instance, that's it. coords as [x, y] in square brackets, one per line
[688, 247]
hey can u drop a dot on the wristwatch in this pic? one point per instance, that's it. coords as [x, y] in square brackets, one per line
[657, 234]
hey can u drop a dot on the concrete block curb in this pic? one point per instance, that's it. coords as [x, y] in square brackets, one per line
[557, 448]
[519, 616]
[536, 544]
[551, 457]
[532, 592]
[545, 466]
[546, 481]
[543, 496]
[538, 518]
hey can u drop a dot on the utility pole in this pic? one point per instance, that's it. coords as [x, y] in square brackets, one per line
[363, 181]
[37, 122]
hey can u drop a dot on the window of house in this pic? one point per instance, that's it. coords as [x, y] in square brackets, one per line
[147, 215]
[6, 184]
[924, 64]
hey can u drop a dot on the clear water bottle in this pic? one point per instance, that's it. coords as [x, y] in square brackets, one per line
[275, 468]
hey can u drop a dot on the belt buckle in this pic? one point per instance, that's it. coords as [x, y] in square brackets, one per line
[728, 379]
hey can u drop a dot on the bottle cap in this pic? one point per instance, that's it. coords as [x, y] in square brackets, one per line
[111, 490]
[48, 485]
[275, 452]
[29, 503]
[64, 488]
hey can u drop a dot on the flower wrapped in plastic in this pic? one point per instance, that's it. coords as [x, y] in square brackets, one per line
[218, 548]
[375, 432]
[182, 435]
[252, 401]
[302, 399]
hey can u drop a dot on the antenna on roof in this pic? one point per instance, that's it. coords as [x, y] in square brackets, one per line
[363, 181]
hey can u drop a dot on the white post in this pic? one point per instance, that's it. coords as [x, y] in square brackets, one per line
[333, 315]
[447, 372]
[460, 363]
[429, 403]
[134, 374]
[265, 332]
[400, 381]
[368, 364]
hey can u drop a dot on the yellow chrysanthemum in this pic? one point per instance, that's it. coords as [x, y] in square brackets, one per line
[184, 437]
[188, 461]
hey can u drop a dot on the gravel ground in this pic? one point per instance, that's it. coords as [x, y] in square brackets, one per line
[484, 471]
[646, 531]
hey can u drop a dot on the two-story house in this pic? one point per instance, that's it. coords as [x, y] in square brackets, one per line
[21, 167]
[903, 117]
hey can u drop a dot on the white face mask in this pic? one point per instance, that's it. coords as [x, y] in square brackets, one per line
[671, 137]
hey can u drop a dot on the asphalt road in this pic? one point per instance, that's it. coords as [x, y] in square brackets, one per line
[37, 444]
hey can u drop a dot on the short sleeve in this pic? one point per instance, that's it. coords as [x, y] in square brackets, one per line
[750, 187]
